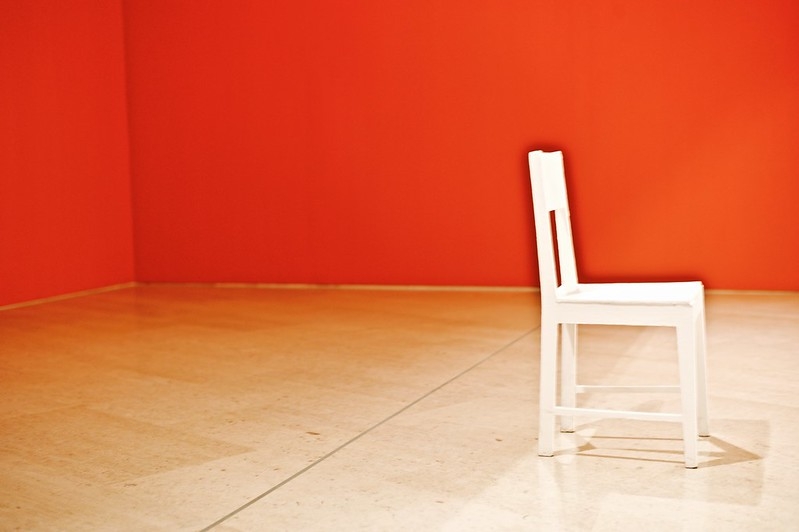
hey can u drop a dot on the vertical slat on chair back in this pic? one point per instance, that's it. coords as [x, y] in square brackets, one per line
[548, 183]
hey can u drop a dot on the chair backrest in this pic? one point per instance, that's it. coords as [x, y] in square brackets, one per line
[556, 263]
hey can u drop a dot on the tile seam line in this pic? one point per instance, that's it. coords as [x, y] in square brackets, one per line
[368, 430]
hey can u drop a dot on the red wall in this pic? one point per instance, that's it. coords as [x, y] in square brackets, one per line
[65, 219]
[385, 142]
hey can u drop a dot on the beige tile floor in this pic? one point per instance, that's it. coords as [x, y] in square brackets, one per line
[238, 409]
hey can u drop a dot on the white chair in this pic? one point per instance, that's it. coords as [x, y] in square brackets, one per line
[565, 303]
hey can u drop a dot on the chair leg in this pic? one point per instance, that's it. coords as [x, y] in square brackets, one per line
[568, 373]
[686, 347]
[546, 421]
[701, 375]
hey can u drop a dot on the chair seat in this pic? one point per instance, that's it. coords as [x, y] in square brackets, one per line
[678, 293]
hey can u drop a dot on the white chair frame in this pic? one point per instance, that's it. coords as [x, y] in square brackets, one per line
[565, 303]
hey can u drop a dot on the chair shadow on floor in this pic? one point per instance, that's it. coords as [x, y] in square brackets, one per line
[713, 451]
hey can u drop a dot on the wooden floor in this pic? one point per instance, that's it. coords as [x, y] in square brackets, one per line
[191, 408]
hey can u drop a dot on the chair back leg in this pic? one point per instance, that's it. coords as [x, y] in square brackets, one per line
[568, 373]
[546, 421]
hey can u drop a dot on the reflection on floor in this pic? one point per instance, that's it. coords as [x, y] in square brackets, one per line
[190, 407]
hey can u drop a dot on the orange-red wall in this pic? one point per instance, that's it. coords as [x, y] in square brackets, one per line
[65, 215]
[385, 142]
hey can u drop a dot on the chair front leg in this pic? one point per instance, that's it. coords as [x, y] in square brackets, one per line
[687, 343]
[701, 374]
